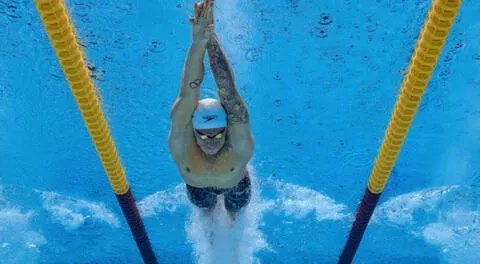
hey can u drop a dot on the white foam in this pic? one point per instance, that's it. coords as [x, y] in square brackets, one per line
[73, 213]
[441, 216]
[400, 209]
[438, 233]
[169, 200]
[292, 200]
[244, 237]
[298, 201]
[19, 243]
[457, 234]
[233, 242]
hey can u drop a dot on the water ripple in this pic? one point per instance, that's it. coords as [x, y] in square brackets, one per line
[355, 160]
[476, 179]
[244, 4]
[238, 34]
[81, 9]
[47, 67]
[325, 19]
[319, 31]
[3, 26]
[10, 10]
[253, 54]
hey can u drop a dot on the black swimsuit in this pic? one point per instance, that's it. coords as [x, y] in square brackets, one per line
[235, 198]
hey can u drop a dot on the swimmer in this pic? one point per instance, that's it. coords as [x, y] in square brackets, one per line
[210, 140]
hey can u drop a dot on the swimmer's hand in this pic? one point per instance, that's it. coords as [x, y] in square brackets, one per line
[202, 23]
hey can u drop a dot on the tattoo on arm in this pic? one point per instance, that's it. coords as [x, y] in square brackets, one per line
[195, 84]
[219, 64]
[231, 100]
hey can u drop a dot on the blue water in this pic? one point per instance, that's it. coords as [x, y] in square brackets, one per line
[320, 79]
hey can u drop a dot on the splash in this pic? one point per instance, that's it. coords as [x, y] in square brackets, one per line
[401, 209]
[216, 239]
[168, 200]
[457, 234]
[446, 217]
[298, 202]
[19, 242]
[239, 242]
[291, 200]
[73, 213]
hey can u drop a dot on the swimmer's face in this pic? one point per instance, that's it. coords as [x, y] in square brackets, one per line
[210, 141]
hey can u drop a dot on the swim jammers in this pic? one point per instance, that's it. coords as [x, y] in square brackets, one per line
[235, 198]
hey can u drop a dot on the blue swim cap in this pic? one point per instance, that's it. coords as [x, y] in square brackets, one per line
[209, 114]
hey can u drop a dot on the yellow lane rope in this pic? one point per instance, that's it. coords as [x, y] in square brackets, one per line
[433, 36]
[62, 36]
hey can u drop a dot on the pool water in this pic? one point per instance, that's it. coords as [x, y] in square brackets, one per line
[320, 79]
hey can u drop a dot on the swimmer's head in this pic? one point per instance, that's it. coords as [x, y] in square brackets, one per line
[209, 124]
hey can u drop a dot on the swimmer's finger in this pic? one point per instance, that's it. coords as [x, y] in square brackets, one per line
[209, 13]
[197, 9]
[206, 8]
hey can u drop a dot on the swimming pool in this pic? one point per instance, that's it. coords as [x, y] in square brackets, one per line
[320, 80]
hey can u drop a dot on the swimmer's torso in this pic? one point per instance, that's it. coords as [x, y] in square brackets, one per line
[225, 171]
[199, 172]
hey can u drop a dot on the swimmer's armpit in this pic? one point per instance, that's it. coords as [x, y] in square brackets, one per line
[224, 77]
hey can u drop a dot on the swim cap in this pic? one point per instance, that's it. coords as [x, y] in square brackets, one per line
[209, 114]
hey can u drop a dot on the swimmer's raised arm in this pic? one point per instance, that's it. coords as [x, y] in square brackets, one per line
[225, 79]
[193, 71]
[241, 139]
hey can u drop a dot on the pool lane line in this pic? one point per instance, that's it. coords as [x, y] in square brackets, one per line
[433, 36]
[61, 33]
